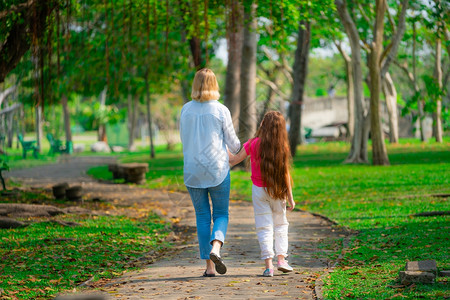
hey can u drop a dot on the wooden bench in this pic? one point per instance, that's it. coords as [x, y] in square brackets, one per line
[27, 146]
[132, 172]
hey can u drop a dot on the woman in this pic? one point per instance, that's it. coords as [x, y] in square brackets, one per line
[206, 131]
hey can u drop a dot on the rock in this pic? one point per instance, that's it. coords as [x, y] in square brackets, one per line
[423, 266]
[78, 148]
[8, 223]
[100, 147]
[444, 273]
[81, 297]
[409, 277]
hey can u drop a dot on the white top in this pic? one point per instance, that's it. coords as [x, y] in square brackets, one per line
[206, 130]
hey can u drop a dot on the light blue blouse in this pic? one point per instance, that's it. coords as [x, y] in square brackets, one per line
[206, 130]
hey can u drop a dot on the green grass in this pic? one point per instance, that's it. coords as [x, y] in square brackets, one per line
[36, 265]
[375, 201]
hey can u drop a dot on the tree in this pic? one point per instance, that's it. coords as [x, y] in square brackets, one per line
[234, 35]
[350, 90]
[379, 60]
[247, 115]
[358, 150]
[300, 71]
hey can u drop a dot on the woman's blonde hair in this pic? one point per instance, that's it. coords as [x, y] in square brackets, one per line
[205, 86]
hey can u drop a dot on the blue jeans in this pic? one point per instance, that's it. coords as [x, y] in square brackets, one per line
[220, 198]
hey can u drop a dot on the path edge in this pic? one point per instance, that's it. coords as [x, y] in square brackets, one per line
[318, 286]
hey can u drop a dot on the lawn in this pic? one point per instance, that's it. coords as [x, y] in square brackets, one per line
[45, 258]
[376, 202]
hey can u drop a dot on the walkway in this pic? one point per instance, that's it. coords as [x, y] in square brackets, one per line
[177, 275]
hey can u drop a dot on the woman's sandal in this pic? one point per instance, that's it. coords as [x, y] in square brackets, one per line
[220, 266]
[208, 275]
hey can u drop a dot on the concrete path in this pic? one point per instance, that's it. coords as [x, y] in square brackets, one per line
[177, 274]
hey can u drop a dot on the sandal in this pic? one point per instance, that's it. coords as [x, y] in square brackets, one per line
[208, 275]
[220, 266]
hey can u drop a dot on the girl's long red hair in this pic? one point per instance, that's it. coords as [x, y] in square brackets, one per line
[275, 155]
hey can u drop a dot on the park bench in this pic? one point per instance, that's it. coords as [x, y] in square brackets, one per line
[56, 146]
[27, 146]
[132, 172]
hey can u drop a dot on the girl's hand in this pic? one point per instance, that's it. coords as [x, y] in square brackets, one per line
[235, 159]
[291, 204]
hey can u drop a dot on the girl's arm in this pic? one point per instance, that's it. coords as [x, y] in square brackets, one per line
[235, 159]
[290, 197]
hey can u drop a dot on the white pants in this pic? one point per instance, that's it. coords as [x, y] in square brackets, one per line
[270, 222]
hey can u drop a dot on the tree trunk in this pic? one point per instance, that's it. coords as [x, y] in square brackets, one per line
[437, 122]
[420, 102]
[390, 94]
[131, 120]
[358, 150]
[270, 96]
[149, 115]
[102, 127]
[298, 87]
[9, 118]
[66, 114]
[185, 91]
[350, 93]
[234, 45]
[379, 153]
[247, 115]
[38, 127]
[196, 50]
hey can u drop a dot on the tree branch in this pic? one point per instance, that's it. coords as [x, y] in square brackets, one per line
[343, 53]
[16, 8]
[410, 75]
[363, 13]
[274, 88]
[391, 20]
[447, 39]
[396, 39]
[18, 41]
[6, 93]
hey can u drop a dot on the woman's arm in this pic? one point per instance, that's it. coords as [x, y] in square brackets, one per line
[235, 159]
[229, 133]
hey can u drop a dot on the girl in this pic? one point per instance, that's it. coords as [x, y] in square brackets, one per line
[206, 131]
[270, 162]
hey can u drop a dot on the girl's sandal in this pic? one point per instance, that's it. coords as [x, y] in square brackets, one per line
[208, 275]
[217, 260]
